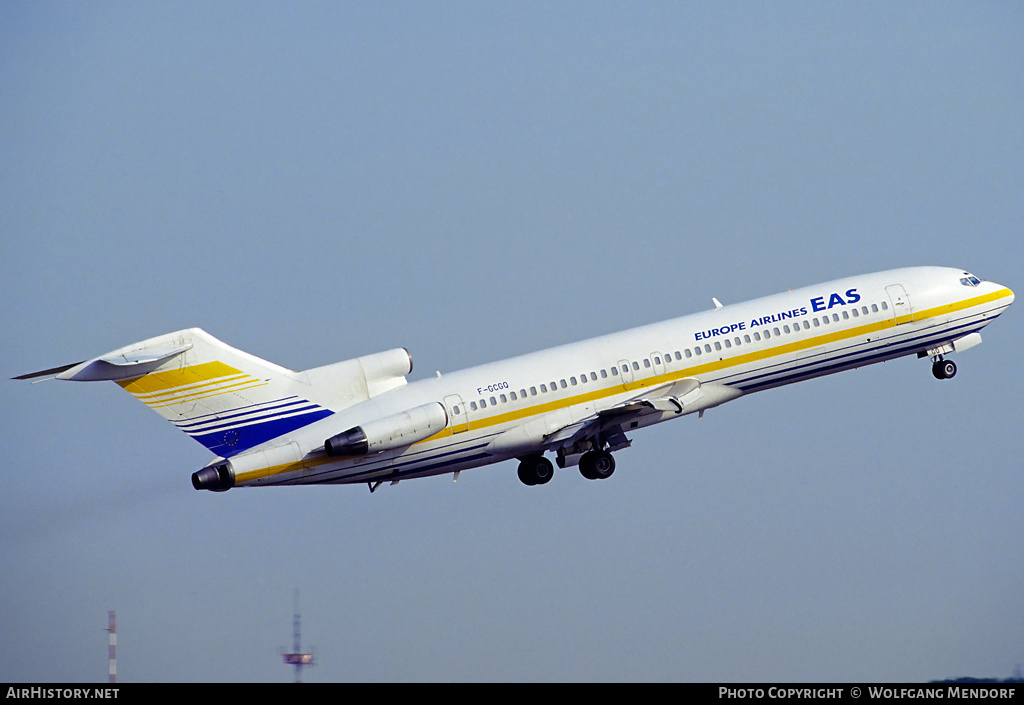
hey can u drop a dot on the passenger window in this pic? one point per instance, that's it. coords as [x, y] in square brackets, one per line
[533, 391]
[746, 338]
[885, 306]
[647, 363]
[504, 399]
[707, 348]
[846, 315]
[604, 374]
[727, 343]
[864, 310]
[824, 319]
[522, 393]
[678, 356]
[807, 325]
[625, 368]
[856, 313]
[785, 328]
[776, 332]
[757, 336]
[688, 353]
[564, 385]
[817, 323]
[512, 395]
[874, 308]
[543, 388]
[718, 346]
[483, 404]
[455, 410]
[697, 350]
[572, 381]
[593, 376]
[615, 372]
[835, 317]
[472, 405]
[767, 334]
[494, 402]
[636, 366]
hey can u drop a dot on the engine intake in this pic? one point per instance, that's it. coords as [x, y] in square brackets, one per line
[395, 431]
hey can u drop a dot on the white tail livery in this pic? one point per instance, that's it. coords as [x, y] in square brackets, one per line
[360, 421]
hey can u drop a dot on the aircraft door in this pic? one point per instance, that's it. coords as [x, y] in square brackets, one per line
[659, 363]
[457, 412]
[901, 308]
[625, 373]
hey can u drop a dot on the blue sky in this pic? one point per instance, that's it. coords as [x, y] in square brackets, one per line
[312, 182]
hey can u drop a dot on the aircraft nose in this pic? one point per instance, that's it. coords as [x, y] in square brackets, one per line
[1008, 295]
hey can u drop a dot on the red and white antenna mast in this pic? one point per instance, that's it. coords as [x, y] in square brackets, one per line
[112, 657]
[297, 658]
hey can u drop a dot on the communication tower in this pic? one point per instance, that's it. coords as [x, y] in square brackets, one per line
[112, 649]
[297, 658]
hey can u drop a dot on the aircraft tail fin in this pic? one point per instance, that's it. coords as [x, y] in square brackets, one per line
[226, 399]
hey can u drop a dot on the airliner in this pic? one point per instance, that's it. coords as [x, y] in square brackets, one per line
[362, 421]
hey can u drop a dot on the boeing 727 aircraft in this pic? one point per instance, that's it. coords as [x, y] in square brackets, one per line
[361, 421]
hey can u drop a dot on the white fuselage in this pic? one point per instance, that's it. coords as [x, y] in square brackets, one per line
[513, 408]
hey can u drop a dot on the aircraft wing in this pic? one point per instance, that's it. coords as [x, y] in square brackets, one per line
[672, 397]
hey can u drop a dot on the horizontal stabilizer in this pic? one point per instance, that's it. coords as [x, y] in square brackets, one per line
[123, 364]
[51, 373]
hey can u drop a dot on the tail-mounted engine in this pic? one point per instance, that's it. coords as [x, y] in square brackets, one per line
[218, 477]
[393, 431]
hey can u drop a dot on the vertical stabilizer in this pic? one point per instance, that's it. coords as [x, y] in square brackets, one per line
[228, 400]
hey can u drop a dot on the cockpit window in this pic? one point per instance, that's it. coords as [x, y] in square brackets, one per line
[970, 280]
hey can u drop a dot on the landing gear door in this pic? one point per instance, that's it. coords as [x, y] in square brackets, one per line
[457, 413]
[900, 303]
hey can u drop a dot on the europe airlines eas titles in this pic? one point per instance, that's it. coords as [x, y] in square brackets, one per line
[361, 421]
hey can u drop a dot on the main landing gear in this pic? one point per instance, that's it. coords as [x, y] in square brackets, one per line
[943, 369]
[535, 470]
[538, 470]
[597, 465]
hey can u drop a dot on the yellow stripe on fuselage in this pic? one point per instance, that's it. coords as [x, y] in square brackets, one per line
[716, 365]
